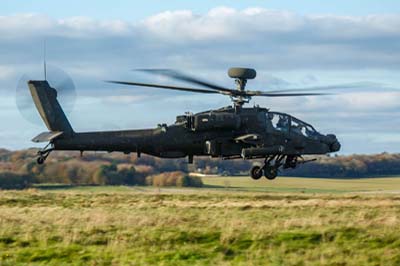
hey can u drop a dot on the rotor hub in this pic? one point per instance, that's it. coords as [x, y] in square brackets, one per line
[241, 75]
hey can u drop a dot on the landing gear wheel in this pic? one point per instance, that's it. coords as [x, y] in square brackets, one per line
[256, 172]
[270, 172]
[40, 160]
[44, 153]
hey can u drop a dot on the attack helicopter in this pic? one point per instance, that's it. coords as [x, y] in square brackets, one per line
[232, 132]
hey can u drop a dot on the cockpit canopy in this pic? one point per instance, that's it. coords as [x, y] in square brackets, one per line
[286, 123]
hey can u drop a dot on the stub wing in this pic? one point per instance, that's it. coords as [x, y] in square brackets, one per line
[47, 136]
[252, 139]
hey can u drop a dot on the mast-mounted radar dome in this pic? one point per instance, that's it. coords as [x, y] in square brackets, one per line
[242, 73]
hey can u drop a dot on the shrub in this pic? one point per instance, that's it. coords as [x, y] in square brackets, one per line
[174, 179]
[111, 175]
[14, 181]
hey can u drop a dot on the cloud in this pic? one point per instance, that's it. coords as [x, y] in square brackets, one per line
[6, 72]
[220, 24]
[124, 99]
[387, 138]
[371, 101]
[356, 102]
[269, 39]
[37, 25]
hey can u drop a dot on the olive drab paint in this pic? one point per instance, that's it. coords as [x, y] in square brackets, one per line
[229, 133]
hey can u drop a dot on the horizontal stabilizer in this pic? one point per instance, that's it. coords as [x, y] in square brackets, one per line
[47, 136]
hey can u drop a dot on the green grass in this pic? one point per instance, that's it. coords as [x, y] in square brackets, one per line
[311, 185]
[246, 223]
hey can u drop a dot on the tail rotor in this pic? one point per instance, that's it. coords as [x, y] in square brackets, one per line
[59, 80]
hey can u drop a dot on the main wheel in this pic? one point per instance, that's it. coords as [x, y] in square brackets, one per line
[270, 172]
[40, 160]
[256, 172]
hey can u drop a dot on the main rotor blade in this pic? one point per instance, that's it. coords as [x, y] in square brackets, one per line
[183, 77]
[359, 85]
[267, 94]
[161, 86]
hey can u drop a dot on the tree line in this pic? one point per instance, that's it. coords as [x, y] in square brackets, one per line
[19, 170]
[119, 169]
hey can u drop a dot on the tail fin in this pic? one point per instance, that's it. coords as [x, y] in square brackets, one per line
[45, 99]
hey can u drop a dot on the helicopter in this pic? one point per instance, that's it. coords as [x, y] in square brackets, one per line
[232, 132]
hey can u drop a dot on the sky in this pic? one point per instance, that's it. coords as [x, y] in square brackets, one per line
[134, 10]
[290, 43]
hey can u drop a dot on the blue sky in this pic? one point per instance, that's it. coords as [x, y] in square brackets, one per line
[134, 10]
[290, 43]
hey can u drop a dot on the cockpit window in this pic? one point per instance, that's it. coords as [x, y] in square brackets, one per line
[279, 121]
[296, 126]
[302, 128]
[284, 123]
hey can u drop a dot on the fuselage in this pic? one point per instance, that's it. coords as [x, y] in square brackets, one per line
[225, 132]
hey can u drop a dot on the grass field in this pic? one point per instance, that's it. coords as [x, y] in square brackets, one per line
[307, 185]
[233, 221]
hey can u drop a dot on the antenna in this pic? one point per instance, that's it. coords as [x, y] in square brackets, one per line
[44, 60]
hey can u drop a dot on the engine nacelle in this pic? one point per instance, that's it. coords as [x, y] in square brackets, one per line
[213, 121]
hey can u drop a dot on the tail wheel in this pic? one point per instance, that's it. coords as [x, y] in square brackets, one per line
[256, 172]
[271, 172]
[44, 153]
[40, 160]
